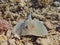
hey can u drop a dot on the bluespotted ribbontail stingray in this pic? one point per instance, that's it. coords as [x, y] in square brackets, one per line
[30, 27]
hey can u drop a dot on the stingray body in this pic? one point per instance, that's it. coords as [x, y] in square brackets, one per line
[30, 27]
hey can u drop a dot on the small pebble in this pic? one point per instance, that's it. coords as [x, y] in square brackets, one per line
[49, 25]
[11, 41]
[56, 3]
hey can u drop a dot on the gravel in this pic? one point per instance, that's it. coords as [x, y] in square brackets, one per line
[14, 11]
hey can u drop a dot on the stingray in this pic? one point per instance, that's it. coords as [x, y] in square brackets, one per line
[30, 27]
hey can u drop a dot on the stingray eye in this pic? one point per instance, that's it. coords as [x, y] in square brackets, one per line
[26, 27]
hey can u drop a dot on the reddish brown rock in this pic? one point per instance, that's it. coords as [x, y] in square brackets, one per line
[4, 25]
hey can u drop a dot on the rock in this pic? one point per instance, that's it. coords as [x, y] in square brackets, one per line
[19, 42]
[54, 22]
[56, 3]
[50, 40]
[3, 37]
[54, 39]
[15, 10]
[3, 40]
[49, 25]
[58, 8]
[14, 22]
[16, 36]
[11, 41]
[40, 17]
[4, 25]
[22, 3]
[4, 43]
[54, 16]
[44, 41]
[45, 2]
[59, 16]
[28, 43]
[8, 33]
[14, 1]
[38, 40]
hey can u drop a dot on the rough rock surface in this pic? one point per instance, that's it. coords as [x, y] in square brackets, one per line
[14, 11]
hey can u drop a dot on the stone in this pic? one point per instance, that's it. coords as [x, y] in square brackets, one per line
[56, 3]
[8, 33]
[16, 36]
[14, 22]
[45, 2]
[4, 25]
[49, 25]
[18, 42]
[3, 37]
[59, 16]
[11, 41]
[28, 43]
[4, 43]
[22, 3]
[3, 40]
[40, 17]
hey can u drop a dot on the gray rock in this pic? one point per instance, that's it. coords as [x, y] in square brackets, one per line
[57, 4]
